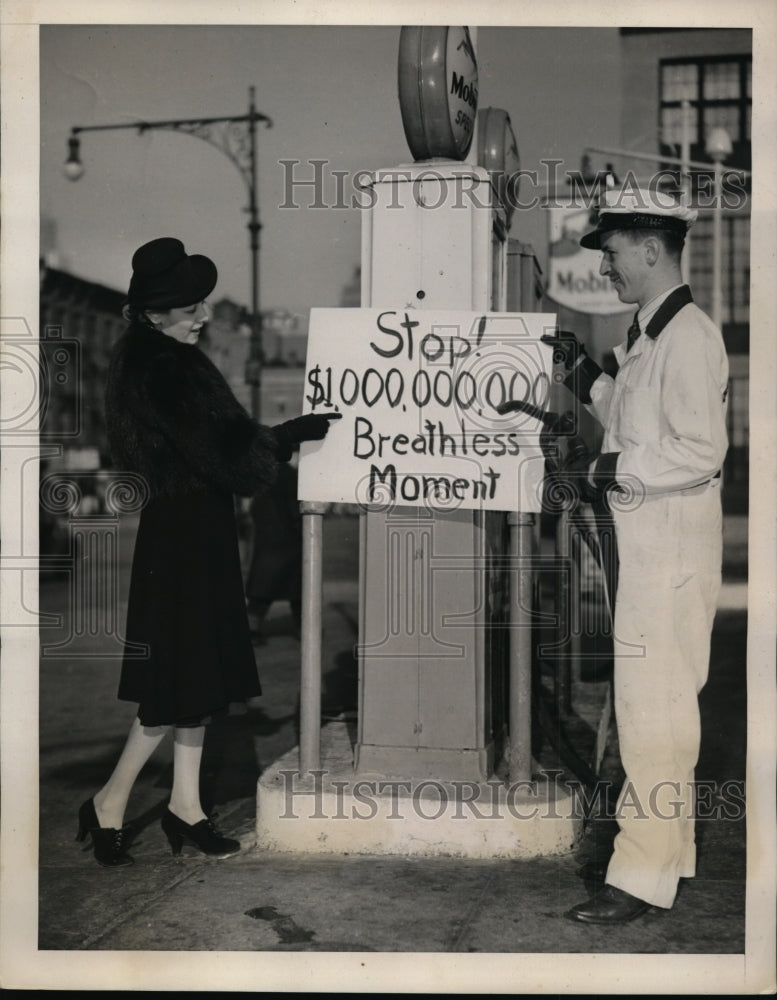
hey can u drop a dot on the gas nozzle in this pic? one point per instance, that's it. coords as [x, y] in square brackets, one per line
[555, 423]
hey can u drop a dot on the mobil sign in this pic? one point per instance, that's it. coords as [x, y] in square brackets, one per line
[573, 272]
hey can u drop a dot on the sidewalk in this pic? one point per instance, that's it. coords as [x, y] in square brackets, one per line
[259, 901]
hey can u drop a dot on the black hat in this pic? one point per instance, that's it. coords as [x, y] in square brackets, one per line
[164, 276]
[638, 208]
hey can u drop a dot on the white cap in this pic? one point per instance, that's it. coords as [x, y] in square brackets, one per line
[630, 207]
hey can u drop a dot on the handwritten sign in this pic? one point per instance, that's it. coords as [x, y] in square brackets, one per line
[418, 390]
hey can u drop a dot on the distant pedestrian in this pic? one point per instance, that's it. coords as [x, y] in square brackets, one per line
[173, 420]
[275, 573]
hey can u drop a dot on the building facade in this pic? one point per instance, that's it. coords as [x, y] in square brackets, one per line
[711, 70]
[677, 86]
[80, 321]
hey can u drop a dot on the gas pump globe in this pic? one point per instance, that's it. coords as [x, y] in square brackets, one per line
[438, 91]
[498, 153]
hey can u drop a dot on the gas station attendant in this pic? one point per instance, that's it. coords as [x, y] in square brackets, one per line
[664, 419]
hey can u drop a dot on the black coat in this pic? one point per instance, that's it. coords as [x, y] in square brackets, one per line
[276, 565]
[173, 420]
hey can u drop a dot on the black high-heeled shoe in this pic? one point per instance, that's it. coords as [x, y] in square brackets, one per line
[203, 835]
[110, 844]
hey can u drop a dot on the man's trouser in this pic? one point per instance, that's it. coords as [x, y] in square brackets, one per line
[670, 552]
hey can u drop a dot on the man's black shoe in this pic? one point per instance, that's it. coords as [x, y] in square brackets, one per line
[608, 906]
[593, 871]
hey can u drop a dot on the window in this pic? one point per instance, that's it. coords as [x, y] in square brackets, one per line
[719, 90]
[735, 274]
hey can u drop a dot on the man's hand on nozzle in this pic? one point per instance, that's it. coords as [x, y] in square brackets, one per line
[582, 371]
[567, 349]
[577, 469]
[570, 476]
[588, 474]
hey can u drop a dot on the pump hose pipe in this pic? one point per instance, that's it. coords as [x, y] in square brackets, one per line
[555, 426]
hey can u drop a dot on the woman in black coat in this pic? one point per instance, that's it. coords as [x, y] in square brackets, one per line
[173, 420]
[275, 573]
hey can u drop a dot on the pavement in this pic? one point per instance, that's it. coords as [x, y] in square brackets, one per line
[267, 903]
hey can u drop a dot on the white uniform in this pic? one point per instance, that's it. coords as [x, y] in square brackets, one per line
[664, 415]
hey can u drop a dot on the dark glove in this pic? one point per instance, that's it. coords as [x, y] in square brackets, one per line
[570, 481]
[567, 349]
[582, 370]
[577, 472]
[310, 427]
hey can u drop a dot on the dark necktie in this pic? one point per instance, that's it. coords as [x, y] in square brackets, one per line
[632, 335]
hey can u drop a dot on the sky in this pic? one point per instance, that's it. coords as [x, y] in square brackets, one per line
[331, 92]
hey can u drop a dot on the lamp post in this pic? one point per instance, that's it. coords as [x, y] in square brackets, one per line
[718, 147]
[685, 180]
[235, 137]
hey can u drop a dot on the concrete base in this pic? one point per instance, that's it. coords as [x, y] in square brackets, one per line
[424, 762]
[336, 810]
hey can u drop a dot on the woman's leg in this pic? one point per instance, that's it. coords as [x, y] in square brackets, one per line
[187, 755]
[110, 802]
[184, 819]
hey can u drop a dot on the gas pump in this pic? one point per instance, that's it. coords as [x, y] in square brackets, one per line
[445, 589]
[433, 690]
[425, 704]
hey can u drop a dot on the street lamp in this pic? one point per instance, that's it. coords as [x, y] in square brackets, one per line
[235, 137]
[718, 147]
[73, 168]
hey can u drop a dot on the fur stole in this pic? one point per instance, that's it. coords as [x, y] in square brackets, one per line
[172, 418]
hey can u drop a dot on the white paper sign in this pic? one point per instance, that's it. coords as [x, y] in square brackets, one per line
[418, 391]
